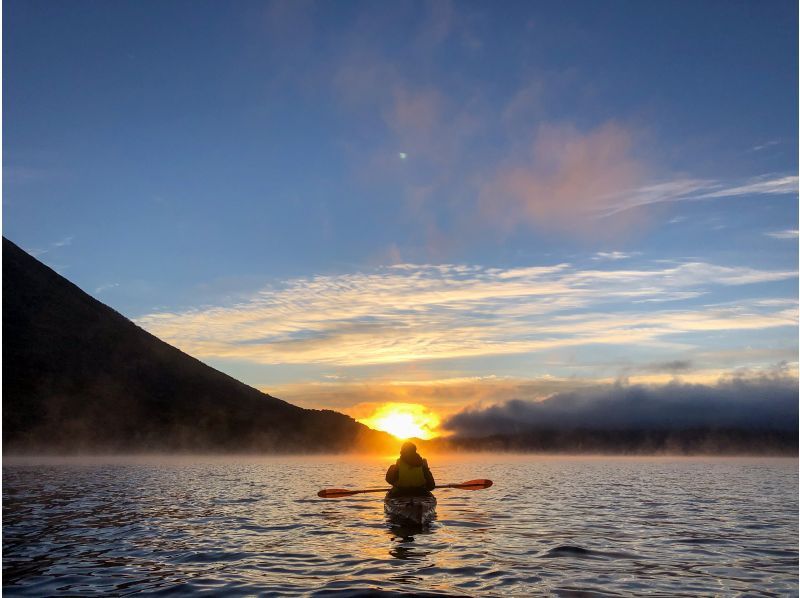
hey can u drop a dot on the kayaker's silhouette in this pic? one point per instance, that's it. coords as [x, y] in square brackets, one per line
[410, 476]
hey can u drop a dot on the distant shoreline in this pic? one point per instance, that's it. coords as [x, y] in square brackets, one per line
[16, 459]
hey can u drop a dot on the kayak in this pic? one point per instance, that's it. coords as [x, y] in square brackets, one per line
[418, 510]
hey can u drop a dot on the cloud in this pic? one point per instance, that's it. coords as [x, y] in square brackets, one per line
[679, 190]
[448, 395]
[673, 367]
[783, 234]
[36, 252]
[563, 181]
[480, 163]
[762, 185]
[105, 287]
[408, 313]
[612, 256]
[763, 402]
[425, 123]
[556, 178]
[445, 395]
[471, 167]
[63, 242]
[765, 145]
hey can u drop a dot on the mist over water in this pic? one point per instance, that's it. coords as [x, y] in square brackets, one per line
[244, 526]
[768, 402]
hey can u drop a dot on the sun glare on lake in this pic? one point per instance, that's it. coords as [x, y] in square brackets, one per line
[403, 420]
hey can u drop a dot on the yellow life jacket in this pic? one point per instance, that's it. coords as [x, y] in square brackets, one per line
[409, 476]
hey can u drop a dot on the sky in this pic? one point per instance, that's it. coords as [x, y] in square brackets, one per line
[451, 204]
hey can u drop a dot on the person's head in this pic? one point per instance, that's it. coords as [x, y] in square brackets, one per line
[408, 449]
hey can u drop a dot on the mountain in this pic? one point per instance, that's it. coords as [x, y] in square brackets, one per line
[78, 376]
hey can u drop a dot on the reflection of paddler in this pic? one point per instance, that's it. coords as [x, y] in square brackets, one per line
[410, 476]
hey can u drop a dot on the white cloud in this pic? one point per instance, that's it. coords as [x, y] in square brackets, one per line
[612, 255]
[765, 145]
[698, 190]
[765, 185]
[412, 313]
[783, 234]
[105, 287]
[64, 242]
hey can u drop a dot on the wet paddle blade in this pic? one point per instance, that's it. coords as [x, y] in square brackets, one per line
[340, 492]
[472, 485]
[334, 492]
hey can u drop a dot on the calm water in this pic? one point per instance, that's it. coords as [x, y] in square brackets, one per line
[560, 526]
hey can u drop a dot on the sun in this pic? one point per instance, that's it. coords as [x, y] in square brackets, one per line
[403, 420]
[401, 425]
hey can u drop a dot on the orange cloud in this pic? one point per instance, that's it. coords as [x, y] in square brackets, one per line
[566, 180]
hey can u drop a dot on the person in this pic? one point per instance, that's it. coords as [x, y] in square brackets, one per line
[410, 476]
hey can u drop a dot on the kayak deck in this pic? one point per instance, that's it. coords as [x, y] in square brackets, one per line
[418, 510]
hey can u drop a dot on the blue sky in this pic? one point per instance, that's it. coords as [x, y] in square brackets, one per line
[442, 202]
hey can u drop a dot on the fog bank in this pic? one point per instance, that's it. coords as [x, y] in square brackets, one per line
[760, 403]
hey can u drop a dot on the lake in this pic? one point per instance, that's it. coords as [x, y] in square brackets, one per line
[563, 526]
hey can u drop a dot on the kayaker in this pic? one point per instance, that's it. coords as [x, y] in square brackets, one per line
[410, 476]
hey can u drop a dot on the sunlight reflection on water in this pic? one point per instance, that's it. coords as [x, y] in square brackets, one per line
[245, 526]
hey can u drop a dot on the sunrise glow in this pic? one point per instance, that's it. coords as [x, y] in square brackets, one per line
[403, 420]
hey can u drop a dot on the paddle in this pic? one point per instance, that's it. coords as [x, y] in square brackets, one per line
[339, 492]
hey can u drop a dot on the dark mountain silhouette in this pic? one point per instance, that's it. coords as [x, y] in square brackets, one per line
[78, 376]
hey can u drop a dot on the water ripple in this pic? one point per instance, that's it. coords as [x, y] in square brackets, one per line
[549, 526]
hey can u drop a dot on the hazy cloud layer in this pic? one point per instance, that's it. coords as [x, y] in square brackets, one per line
[769, 402]
[448, 395]
[408, 313]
